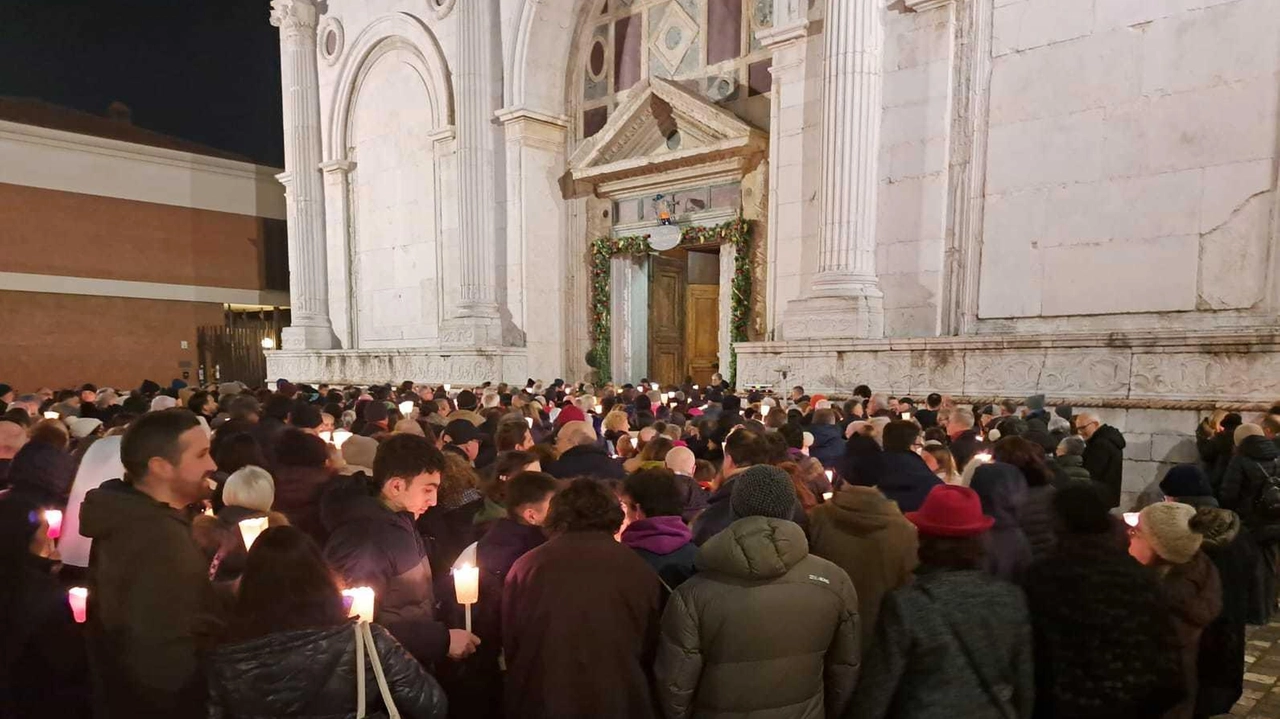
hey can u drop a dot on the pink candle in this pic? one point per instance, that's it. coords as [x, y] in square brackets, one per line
[78, 598]
[53, 517]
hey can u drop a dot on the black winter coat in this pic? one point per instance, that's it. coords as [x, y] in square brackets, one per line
[828, 444]
[1036, 517]
[1104, 458]
[965, 446]
[376, 547]
[44, 671]
[586, 461]
[907, 480]
[1220, 664]
[1103, 637]
[312, 673]
[863, 462]
[1243, 482]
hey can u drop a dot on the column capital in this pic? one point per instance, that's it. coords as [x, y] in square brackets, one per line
[337, 167]
[294, 14]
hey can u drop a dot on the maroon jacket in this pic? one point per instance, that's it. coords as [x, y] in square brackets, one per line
[580, 621]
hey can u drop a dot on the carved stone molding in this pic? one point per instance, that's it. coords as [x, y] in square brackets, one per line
[443, 7]
[925, 5]
[330, 39]
[469, 366]
[293, 15]
[1157, 366]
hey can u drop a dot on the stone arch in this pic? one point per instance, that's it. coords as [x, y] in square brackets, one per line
[397, 30]
[539, 68]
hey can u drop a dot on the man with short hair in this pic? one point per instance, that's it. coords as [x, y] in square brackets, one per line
[1103, 453]
[965, 440]
[375, 543]
[467, 403]
[796, 393]
[582, 456]
[828, 439]
[693, 498]
[513, 436]
[906, 479]
[150, 600]
[1068, 461]
[744, 448]
[928, 417]
[12, 438]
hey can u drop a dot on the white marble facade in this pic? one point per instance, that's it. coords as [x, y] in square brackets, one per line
[984, 197]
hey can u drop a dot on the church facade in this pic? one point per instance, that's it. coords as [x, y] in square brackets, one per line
[980, 197]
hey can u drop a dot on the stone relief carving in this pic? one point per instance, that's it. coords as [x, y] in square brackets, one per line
[440, 365]
[1255, 375]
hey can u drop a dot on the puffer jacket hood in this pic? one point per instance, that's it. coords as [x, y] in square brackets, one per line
[863, 511]
[1003, 490]
[116, 508]
[1259, 449]
[755, 548]
[1110, 435]
[311, 672]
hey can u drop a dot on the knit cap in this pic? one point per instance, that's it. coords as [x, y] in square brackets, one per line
[163, 402]
[763, 491]
[1186, 480]
[1166, 527]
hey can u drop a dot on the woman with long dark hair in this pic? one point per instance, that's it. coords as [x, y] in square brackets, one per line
[1036, 514]
[291, 649]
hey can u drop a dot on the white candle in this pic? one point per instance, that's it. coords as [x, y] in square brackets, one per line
[599, 409]
[327, 437]
[251, 528]
[340, 436]
[984, 457]
[53, 518]
[448, 387]
[466, 584]
[78, 598]
[906, 415]
[654, 386]
[208, 512]
[830, 475]
[764, 410]
[695, 388]
[406, 407]
[529, 421]
[361, 603]
[50, 415]
[826, 496]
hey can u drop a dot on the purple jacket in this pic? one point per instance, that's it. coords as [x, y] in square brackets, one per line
[666, 544]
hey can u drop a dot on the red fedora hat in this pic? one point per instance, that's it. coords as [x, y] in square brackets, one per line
[951, 511]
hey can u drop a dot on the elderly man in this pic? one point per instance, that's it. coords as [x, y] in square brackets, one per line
[680, 460]
[1103, 453]
[582, 456]
[965, 440]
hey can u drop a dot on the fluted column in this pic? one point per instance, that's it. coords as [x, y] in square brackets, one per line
[476, 103]
[845, 298]
[308, 282]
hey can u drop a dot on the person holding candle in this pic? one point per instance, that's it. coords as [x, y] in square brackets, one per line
[374, 543]
[43, 667]
[582, 456]
[290, 648]
[580, 617]
[150, 600]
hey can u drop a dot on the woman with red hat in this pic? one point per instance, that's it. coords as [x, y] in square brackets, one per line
[956, 642]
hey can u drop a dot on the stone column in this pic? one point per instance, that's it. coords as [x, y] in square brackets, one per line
[304, 192]
[477, 321]
[337, 199]
[845, 298]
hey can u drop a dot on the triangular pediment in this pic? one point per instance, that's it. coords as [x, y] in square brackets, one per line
[660, 127]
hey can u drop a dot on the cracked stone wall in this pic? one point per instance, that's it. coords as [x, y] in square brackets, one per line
[1131, 157]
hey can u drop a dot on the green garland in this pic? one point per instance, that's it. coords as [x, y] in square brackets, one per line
[736, 232]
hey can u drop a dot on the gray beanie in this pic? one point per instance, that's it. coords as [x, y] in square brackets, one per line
[763, 491]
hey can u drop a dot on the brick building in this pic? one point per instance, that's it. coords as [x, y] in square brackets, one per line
[117, 244]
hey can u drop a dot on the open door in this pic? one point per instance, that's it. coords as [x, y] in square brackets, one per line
[667, 289]
[702, 332]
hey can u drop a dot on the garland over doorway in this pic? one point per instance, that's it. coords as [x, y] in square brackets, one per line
[736, 232]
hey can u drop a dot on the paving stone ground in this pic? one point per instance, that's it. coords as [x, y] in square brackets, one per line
[1261, 698]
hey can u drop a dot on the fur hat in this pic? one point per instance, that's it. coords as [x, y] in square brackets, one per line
[1166, 527]
[763, 491]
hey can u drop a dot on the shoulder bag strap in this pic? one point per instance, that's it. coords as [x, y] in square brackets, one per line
[1002, 702]
[359, 672]
[392, 712]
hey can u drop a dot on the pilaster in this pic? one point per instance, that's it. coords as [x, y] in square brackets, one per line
[304, 192]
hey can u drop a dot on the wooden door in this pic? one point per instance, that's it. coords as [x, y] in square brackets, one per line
[667, 288]
[702, 332]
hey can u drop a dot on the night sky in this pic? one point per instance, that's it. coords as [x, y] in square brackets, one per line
[203, 70]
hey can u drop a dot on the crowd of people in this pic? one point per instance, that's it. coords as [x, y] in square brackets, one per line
[642, 551]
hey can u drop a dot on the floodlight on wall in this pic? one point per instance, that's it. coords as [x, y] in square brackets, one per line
[268, 343]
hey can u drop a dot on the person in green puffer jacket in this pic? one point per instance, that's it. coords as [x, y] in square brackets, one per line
[764, 628]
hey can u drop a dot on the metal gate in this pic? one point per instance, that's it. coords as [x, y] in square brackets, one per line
[234, 351]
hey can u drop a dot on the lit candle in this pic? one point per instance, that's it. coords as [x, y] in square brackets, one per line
[830, 475]
[326, 436]
[695, 388]
[984, 457]
[78, 598]
[251, 528]
[654, 386]
[340, 436]
[1131, 518]
[406, 407]
[50, 415]
[447, 387]
[361, 603]
[529, 421]
[599, 409]
[674, 405]
[208, 512]
[906, 415]
[826, 496]
[666, 396]
[764, 410]
[466, 584]
[53, 517]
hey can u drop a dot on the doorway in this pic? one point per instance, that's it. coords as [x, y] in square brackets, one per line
[684, 316]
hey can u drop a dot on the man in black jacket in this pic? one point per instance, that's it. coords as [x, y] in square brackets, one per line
[581, 456]
[1103, 454]
[374, 543]
[965, 440]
